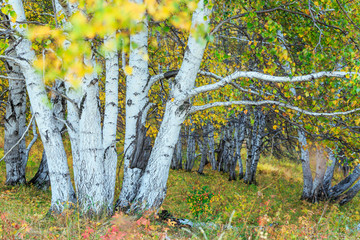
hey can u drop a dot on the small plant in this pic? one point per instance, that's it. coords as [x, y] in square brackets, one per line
[199, 200]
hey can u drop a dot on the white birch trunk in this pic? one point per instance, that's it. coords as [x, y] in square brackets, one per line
[153, 183]
[110, 119]
[136, 100]
[72, 120]
[62, 189]
[91, 192]
[15, 126]
[41, 178]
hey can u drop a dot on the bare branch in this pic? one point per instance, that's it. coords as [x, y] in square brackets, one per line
[267, 102]
[12, 78]
[264, 77]
[16, 60]
[159, 77]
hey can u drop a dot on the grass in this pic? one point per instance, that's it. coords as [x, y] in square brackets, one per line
[270, 210]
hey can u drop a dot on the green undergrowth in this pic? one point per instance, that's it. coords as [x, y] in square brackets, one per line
[272, 209]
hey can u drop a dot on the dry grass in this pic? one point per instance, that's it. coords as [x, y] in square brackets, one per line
[271, 209]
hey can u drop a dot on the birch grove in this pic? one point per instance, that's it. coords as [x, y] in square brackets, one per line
[92, 48]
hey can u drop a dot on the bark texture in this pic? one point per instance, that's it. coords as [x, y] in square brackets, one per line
[136, 102]
[15, 126]
[62, 189]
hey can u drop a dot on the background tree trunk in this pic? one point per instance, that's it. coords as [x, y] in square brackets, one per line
[257, 134]
[204, 152]
[190, 149]
[211, 143]
[239, 139]
[176, 163]
[305, 163]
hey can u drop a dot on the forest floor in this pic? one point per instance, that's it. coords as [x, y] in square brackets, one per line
[270, 210]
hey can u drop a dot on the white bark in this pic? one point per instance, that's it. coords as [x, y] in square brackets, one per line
[110, 119]
[62, 189]
[91, 192]
[72, 120]
[270, 102]
[305, 162]
[136, 100]
[153, 183]
[264, 77]
[15, 125]
[41, 178]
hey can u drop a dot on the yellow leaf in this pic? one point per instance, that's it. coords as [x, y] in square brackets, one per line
[128, 70]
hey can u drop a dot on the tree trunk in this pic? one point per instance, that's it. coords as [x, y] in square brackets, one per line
[176, 162]
[249, 144]
[190, 149]
[153, 183]
[232, 158]
[257, 144]
[344, 184]
[204, 153]
[15, 126]
[136, 100]
[305, 163]
[239, 139]
[62, 189]
[350, 194]
[110, 119]
[257, 134]
[319, 174]
[90, 188]
[41, 179]
[328, 176]
[211, 143]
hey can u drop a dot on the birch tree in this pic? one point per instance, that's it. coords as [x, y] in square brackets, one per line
[254, 78]
[62, 189]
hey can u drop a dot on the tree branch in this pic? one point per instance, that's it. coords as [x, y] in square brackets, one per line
[12, 78]
[266, 102]
[264, 77]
